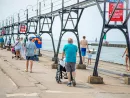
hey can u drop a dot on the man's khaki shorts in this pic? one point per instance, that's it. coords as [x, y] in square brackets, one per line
[70, 67]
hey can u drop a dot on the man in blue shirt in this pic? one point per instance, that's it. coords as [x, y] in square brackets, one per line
[30, 52]
[70, 52]
[1, 42]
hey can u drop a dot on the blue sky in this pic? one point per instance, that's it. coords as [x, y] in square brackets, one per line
[90, 24]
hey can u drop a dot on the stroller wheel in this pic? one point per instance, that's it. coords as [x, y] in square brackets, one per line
[58, 78]
[58, 81]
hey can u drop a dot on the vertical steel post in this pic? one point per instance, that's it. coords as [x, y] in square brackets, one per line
[128, 43]
[11, 27]
[77, 35]
[52, 33]
[18, 18]
[6, 30]
[39, 17]
[37, 8]
[62, 13]
[78, 2]
[127, 32]
[127, 7]
[58, 47]
[18, 24]
[95, 73]
[11, 20]
[39, 21]
[27, 26]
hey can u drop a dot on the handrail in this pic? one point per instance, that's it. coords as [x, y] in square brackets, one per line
[82, 4]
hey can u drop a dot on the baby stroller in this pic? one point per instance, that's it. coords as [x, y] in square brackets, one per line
[13, 52]
[61, 71]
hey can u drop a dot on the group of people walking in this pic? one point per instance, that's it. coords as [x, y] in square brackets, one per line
[19, 48]
[26, 51]
[70, 53]
[22, 50]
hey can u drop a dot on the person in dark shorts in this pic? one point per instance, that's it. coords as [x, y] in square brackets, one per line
[30, 52]
[84, 46]
[70, 52]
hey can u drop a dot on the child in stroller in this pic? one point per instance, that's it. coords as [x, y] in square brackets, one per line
[61, 71]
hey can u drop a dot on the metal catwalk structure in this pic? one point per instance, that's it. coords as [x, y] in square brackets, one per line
[44, 16]
[70, 12]
[109, 25]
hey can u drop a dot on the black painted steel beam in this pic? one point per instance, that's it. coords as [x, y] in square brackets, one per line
[126, 20]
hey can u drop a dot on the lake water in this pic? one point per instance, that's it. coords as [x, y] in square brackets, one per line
[110, 54]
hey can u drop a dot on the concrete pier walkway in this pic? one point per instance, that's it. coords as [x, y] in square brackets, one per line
[41, 83]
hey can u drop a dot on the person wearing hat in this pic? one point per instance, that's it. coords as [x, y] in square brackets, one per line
[30, 51]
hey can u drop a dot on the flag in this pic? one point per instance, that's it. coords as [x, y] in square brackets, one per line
[105, 37]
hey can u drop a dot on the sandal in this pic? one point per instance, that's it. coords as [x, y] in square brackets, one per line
[26, 70]
[69, 84]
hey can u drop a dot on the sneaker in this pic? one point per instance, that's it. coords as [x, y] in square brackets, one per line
[74, 82]
[69, 84]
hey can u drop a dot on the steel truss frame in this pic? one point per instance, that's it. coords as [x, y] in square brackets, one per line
[47, 20]
[31, 23]
[38, 18]
[107, 27]
[8, 32]
[78, 11]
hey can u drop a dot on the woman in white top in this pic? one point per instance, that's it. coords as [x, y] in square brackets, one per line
[84, 46]
[22, 50]
[17, 48]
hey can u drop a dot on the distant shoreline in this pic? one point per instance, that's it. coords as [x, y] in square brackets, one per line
[86, 57]
[110, 45]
